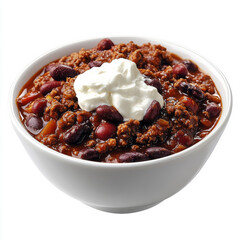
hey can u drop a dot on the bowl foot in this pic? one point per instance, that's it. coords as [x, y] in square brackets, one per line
[123, 209]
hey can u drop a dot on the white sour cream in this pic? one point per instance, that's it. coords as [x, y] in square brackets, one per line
[118, 84]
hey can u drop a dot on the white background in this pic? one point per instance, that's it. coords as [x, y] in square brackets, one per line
[31, 208]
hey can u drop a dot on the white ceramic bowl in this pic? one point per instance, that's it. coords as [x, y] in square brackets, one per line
[121, 188]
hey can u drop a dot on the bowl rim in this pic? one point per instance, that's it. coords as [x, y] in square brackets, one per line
[62, 157]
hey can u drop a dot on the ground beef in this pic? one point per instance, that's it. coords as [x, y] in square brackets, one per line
[155, 133]
[54, 109]
[67, 120]
[127, 132]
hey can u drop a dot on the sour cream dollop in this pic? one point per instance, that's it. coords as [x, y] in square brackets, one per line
[119, 84]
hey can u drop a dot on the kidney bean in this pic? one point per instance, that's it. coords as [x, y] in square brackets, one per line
[61, 72]
[132, 157]
[196, 92]
[50, 66]
[48, 86]
[105, 130]
[157, 152]
[191, 67]
[33, 123]
[39, 106]
[192, 90]
[189, 103]
[105, 44]
[180, 70]
[155, 83]
[183, 87]
[95, 64]
[213, 109]
[152, 112]
[89, 154]
[76, 133]
[109, 113]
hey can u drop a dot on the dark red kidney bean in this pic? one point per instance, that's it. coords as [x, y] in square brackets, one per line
[132, 157]
[95, 64]
[152, 112]
[33, 123]
[196, 92]
[61, 72]
[157, 152]
[89, 154]
[191, 67]
[180, 70]
[50, 66]
[155, 83]
[183, 87]
[109, 113]
[48, 86]
[105, 130]
[105, 44]
[39, 106]
[76, 133]
[189, 104]
[213, 109]
[192, 90]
